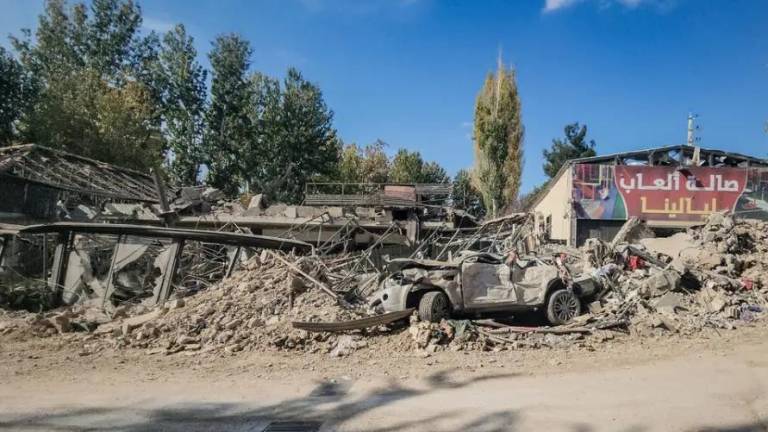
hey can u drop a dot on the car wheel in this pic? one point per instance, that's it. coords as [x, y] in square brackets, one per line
[562, 306]
[433, 306]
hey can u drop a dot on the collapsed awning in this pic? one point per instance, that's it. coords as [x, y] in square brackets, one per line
[226, 238]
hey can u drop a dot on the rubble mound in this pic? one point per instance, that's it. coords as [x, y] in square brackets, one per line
[711, 277]
[251, 311]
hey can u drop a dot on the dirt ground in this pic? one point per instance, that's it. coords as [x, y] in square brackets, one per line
[56, 357]
[50, 385]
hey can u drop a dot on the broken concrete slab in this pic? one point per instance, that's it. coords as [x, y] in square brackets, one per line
[659, 283]
[711, 299]
[669, 303]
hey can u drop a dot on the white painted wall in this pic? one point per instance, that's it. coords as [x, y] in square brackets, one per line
[557, 204]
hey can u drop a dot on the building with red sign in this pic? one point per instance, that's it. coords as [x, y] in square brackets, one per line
[671, 187]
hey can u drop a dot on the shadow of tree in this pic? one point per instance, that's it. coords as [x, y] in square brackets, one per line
[757, 426]
[335, 411]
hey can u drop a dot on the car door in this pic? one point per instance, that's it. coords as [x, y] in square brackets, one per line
[486, 285]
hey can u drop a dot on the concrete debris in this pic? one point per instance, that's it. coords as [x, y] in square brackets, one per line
[647, 288]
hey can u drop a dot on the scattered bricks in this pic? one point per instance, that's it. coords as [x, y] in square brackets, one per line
[595, 307]
[711, 299]
[231, 325]
[254, 322]
[186, 339]
[229, 349]
[61, 323]
[659, 283]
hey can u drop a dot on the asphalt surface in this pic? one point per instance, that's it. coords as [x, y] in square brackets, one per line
[711, 391]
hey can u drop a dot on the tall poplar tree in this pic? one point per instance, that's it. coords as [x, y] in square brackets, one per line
[15, 89]
[299, 141]
[498, 140]
[183, 104]
[228, 122]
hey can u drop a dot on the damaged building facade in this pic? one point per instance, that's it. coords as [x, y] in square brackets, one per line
[82, 230]
[669, 188]
[39, 184]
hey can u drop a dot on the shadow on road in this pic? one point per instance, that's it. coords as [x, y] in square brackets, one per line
[335, 410]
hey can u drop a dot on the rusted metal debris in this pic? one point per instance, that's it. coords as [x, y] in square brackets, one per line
[72, 173]
[358, 324]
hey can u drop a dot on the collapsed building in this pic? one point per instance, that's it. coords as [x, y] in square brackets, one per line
[91, 231]
[283, 277]
[673, 187]
[39, 184]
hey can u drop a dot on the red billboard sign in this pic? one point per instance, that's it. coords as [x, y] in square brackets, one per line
[678, 194]
[685, 194]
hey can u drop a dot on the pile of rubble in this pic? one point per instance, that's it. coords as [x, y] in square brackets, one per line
[714, 276]
[251, 311]
[711, 277]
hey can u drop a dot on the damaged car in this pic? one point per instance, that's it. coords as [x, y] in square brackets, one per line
[482, 283]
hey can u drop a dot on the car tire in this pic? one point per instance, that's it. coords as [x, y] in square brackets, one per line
[562, 306]
[434, 306]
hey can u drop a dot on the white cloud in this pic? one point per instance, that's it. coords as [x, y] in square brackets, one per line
[553, 5]
[158, 25]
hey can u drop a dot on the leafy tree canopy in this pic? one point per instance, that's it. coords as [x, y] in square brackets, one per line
[575, 145]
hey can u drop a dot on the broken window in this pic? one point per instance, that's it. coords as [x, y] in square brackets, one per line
[88, 260]
[202, 265]
[140, 269]
[24, 270]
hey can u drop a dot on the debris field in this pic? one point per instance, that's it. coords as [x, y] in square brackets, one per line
[712, 277]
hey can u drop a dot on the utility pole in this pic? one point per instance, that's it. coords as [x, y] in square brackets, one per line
[695, 159]
[691, 139]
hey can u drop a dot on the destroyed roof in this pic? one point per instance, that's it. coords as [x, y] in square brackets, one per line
[66, 171]
[684, 148]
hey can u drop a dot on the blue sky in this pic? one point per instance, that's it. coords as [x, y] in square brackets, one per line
[408, 71]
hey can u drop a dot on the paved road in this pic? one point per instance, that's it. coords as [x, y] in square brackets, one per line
[714, 392]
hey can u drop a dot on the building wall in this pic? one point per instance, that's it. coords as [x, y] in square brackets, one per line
[553, 212]
[21, 199]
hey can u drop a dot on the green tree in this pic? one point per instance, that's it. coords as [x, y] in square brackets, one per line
[350, 164]
[526, 200]
[498, 137]
[183, 104]
[465, 196]
[108, 38]
[301, 139]
[375, 164]
[89, 98]
[406, 167]
[368, 164]
[575, 145]
[228, 125]
[432, 172]
[15, 89]
[265, 114]
[409, 167]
